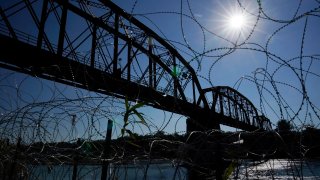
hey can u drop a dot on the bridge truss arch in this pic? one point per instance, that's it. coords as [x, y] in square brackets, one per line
[228, 102]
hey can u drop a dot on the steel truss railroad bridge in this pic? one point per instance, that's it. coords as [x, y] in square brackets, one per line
[96, 45]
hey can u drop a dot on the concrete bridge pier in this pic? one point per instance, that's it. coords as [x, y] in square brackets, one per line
[204, 151]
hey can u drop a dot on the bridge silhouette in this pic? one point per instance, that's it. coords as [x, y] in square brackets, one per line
[96, 45]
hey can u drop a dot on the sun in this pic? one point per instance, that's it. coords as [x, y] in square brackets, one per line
[237, 22]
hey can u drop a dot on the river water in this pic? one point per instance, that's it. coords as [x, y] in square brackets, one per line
[271, 169]
[278, 169]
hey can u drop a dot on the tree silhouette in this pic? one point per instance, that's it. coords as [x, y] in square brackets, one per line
[284, 126]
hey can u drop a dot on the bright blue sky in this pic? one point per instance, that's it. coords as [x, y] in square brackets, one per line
[211, 36]
[246, 59]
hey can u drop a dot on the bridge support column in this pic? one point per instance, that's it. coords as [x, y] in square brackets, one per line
[202, 124]
[204, 150]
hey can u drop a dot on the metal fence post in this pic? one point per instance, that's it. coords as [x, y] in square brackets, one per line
[105, 163]
[76, 161]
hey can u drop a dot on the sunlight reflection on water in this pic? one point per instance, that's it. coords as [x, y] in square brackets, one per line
[279, 169]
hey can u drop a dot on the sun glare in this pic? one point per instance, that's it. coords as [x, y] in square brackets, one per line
[237, 21]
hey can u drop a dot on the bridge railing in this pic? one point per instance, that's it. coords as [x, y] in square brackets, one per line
[81, 58]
